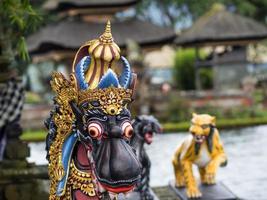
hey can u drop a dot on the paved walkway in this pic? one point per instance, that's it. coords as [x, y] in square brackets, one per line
[164, 193]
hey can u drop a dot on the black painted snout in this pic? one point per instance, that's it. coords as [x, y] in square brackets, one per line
[115, 132]
[147, 129]
[116, 163]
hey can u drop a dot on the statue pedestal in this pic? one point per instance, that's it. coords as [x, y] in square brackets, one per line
[209, 192]
[20, 180]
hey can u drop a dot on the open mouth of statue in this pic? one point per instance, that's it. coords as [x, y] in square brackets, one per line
[149, 137]
[199, 138]
[121, 186]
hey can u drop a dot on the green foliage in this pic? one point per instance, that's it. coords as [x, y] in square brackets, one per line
[184, 73]
[19, 14]
[175, 127]
[173, 12]
[22, 49]
[33, 98]
[258, 96]
[184, 70]
[178, 110]
[221, 124]
[18, 19]
[206, 78]
[33, 135]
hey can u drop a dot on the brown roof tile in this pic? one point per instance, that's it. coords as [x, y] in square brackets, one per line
[222, 26]
[60, 5]
[71, 34]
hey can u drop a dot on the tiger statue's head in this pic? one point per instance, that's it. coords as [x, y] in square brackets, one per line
[202, 126]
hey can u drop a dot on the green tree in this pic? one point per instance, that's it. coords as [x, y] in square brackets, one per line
[184, 70]
[17, 19]
[175, 12]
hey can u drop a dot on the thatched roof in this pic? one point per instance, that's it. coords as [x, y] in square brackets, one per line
[60, 5]
[222, 27]
[71, 34]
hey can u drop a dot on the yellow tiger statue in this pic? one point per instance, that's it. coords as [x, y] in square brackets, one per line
[203, 148]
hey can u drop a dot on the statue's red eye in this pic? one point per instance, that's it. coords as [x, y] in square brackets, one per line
[127, 129]
[95, 130]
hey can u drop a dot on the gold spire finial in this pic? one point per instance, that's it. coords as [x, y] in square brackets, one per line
[104, 53]
[106, 37]
[108, 27]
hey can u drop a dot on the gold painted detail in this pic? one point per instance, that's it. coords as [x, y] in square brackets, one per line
[112, 50]
[81, 180]
[106, 37]
[66, 91]
[111, 100]
[104, 53]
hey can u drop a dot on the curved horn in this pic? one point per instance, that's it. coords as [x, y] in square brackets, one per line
[80, 68]
[125, 77]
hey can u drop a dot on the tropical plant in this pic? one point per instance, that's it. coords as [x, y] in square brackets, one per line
[17, 19]
[206, 78]
[184, 70]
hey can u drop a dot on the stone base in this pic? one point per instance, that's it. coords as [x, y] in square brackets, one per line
[164, 193]
[23, 183]
[209, 192]
[13, 164]
[23, 191]
[20, 180]
[16, 150]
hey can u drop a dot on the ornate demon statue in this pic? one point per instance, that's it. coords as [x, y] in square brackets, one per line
[202, 148]
[144, 129]
[90, 126]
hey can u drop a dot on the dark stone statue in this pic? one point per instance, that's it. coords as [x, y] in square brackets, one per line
[144, 129]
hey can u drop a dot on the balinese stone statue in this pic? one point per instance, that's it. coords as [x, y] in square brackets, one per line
[144, 129]
[203, 148]
[90, 126]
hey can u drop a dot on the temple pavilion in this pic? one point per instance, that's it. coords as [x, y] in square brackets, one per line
[82, 20]
[228, 35]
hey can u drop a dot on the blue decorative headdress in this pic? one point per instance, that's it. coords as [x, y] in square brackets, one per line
[96, 64]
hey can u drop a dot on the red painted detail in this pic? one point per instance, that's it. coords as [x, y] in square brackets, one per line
[149, 138]
[118, 189]
[200, 139]
[81, 196]
[82, 156]
[81, 53]
[113, 55]
[105, 135]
